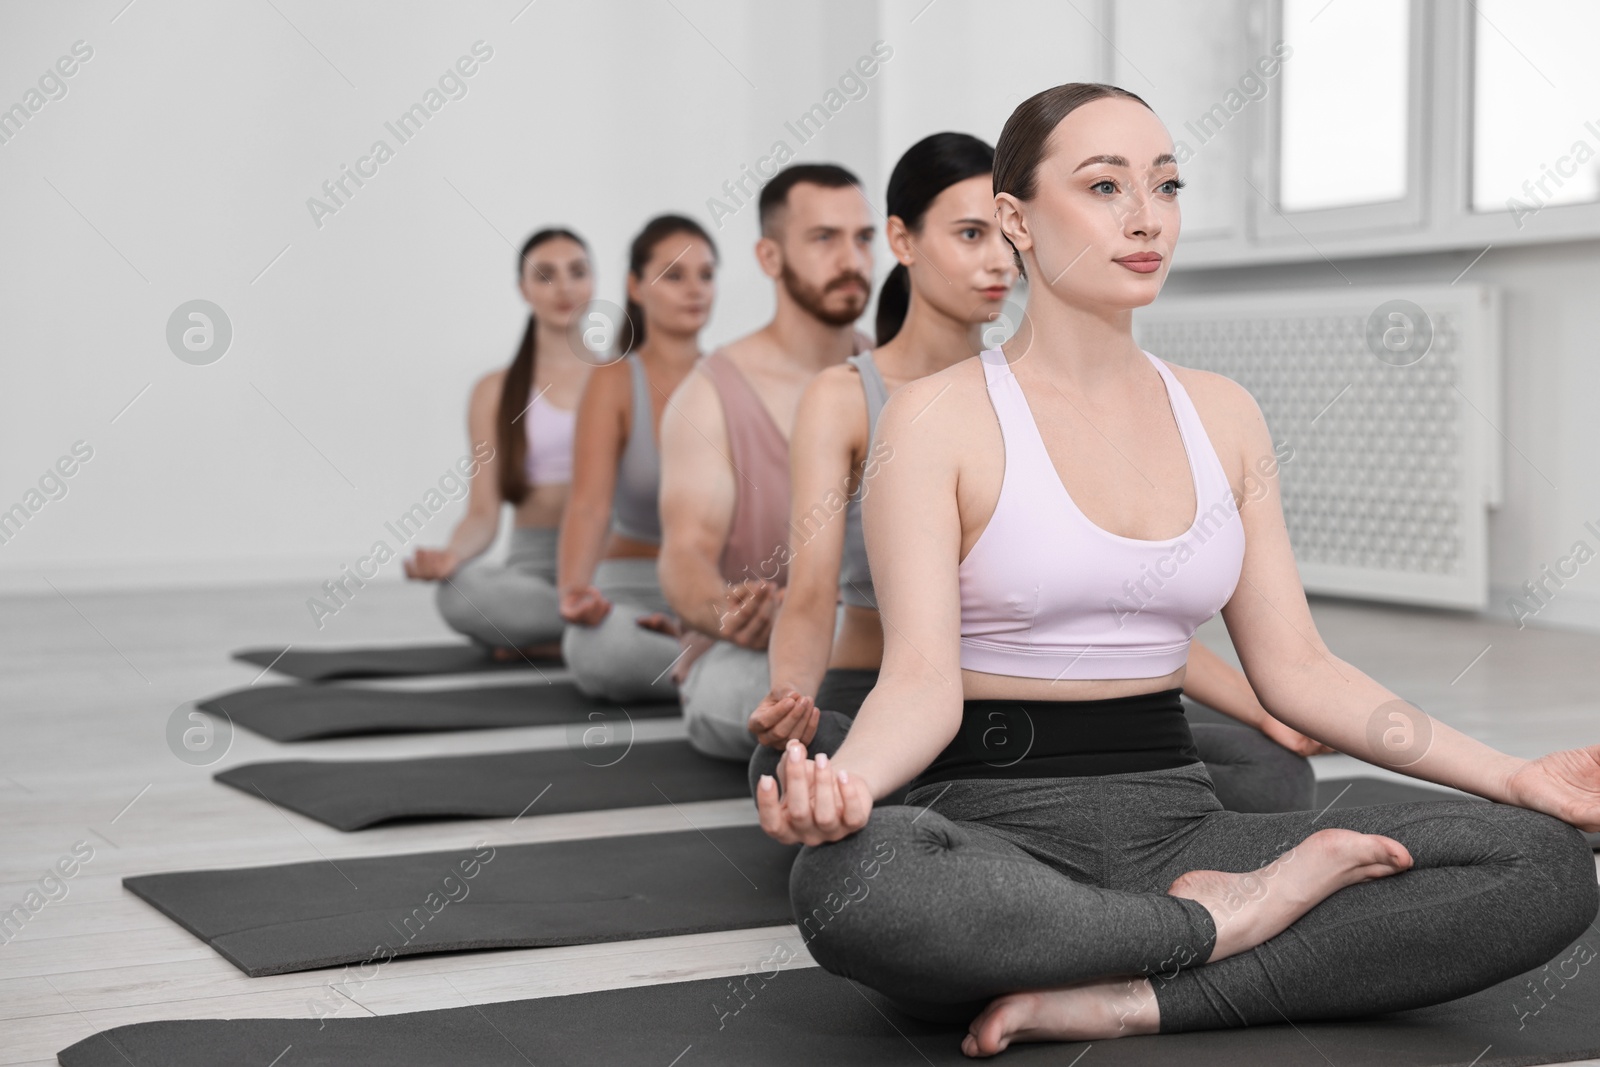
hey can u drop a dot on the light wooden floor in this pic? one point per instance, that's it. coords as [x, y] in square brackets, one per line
[87, 686]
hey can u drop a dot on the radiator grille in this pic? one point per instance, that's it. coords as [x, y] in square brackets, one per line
[1393, 466]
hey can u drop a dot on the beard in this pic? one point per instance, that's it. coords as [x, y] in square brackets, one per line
[813, 299]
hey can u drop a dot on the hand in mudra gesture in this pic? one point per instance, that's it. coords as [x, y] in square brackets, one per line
[1563, 784]
[784, 713]
[817, 805]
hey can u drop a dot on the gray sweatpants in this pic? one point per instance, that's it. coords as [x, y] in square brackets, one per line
[509, 605]
[1249, 770]
[618, 659]
[720, 691]
[1009, 884]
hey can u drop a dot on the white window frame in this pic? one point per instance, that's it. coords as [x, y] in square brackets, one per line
[1436, 214]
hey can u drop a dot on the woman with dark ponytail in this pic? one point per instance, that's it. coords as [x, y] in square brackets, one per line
[520, 422]
[953, 271]
[621, 638]
[953, 274]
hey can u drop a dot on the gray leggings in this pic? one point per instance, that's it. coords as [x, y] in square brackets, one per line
[720, 691]
[1009, 884]
[509, 605]
[1249, 770]
[618, 659]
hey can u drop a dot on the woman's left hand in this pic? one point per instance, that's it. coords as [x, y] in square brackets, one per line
[1564, 784]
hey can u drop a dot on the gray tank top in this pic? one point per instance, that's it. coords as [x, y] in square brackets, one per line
[855, 580]
[635, 511]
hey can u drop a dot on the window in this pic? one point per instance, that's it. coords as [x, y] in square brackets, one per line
[1535, 104]
[1344, 127]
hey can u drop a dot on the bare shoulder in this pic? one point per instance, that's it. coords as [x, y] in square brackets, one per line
[694, 403]
[942, 402]
[489, 385]
[836, 386]
[1217, 397]
[611, 379]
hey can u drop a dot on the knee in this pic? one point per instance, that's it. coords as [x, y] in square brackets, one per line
[866, 892]
[711, 735]
[1555, 851]
[450, 601]
[764, 760]
[582, 650]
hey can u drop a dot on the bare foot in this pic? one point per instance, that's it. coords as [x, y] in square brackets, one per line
[548, 650]
[1247, 910]
[1089, 1011]
[1253, 907]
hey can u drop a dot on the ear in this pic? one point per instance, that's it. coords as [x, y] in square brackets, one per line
[1013, 222]
[769, 254]
[633, 288]
[899, 238]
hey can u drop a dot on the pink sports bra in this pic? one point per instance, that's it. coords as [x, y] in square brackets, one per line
[1045, 593]
[549, 442]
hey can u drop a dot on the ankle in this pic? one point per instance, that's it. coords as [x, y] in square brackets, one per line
[1132, 1008]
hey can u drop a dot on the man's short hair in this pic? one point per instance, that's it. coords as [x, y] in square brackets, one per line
[775, 194]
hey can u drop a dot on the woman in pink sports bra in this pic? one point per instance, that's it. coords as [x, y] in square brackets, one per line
[931, 314]
[520, 422]
[1059, 516]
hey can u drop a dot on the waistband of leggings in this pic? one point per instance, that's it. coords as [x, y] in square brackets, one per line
[1066, 738]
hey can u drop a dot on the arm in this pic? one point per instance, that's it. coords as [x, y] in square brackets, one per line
[1298, 679]
[477, 529]
[697, 498]
[829, 431]
[1216, 683]
[598, 438]
[828, 435]
[913, 532]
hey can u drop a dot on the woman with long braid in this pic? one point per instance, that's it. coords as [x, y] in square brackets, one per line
[526, 412]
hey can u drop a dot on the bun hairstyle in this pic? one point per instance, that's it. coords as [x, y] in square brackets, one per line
[1021, 147]
[927, 169]
[511, 438]
[630, 332]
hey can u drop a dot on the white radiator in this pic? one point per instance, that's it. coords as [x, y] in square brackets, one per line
[1396, 459]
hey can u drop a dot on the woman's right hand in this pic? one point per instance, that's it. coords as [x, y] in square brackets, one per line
[752, 608]
[585, 606]
[782, 714]
[818, 804]
[431, 564]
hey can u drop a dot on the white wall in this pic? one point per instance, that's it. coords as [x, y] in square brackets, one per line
[191, 139]
[190, 142]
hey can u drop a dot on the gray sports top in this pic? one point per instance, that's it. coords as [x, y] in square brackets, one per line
[855, 580]
[635, 512]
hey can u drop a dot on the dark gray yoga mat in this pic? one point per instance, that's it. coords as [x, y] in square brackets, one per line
[352, 795]
[307, 712]
[275, 920]
[791, 1016]
[330, 664]
[1364, 792]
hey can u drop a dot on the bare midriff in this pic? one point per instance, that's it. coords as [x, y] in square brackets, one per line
[976, 685]
[543, 505]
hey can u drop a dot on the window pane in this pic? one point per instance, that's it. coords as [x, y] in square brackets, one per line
[1199, 78]
[1536, 104]
[1345, 91]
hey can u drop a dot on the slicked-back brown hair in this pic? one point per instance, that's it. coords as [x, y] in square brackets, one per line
[1026, 134]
